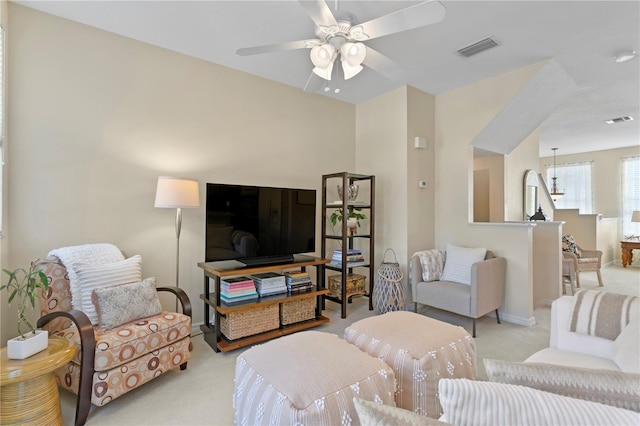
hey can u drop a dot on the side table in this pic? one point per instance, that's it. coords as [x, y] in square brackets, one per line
[627, 246]
[29, 393]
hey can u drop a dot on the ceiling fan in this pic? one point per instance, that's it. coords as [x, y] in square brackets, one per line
[341, 36]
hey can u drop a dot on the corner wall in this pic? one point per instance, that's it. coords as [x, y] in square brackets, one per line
[385, 130]
[460, 115]
[96, 118]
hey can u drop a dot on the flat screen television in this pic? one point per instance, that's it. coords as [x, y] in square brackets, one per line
[259, 225]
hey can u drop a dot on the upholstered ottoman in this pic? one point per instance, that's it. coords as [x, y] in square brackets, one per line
[307, 378]
[420, 350]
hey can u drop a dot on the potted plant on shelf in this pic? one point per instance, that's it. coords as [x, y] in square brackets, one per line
[23, 287]
[354, 215]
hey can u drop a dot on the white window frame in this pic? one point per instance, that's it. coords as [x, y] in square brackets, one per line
[575, 180]
[630, 195]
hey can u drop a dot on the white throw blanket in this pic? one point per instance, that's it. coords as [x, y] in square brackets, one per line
[602, 314]
[87, 254]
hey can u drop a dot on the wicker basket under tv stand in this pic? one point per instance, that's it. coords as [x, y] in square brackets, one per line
[217, 270]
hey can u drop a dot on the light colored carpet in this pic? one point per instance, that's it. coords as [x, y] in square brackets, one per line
[201, 395]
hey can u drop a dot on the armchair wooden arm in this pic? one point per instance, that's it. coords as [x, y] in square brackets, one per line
[185, 302]
[87, 358]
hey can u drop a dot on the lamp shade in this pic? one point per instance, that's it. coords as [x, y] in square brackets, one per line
[323, 55]
[353, 53]
[177, 192]
[635, 216]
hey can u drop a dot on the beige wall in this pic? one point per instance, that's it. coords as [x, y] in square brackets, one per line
[477, 104]
[489, 192]
[605, 176]
[95, 118]
[524, 157]
[421, 166]
[381, 134]
[386, 127]
[7, 321]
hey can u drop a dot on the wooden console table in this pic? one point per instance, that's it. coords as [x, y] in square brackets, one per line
[29, 393]
[627, 246]
[229, 268]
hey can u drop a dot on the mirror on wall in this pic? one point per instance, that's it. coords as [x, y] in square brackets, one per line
[530, 193]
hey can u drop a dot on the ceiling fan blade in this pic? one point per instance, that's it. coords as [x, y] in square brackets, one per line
[416, 16]
[314, 83]
[291, 45]
[385, 66]
[319, 12]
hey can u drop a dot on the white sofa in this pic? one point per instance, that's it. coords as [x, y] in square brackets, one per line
[571, 349]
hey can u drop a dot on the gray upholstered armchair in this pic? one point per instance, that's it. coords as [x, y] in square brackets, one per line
[482, 295]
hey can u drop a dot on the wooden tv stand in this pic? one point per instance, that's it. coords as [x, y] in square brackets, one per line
[228, 268]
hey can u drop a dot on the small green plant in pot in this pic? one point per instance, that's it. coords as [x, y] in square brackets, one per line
[22, 287]
[353, 214]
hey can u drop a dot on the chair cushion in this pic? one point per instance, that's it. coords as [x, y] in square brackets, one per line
[572, 359]
[588, 260]
[626, 347]
[457, 266]
[109, 385]
[95, 276]
[130, 341]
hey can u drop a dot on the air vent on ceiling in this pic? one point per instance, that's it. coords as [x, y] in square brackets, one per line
[477, 47]
[619, 120]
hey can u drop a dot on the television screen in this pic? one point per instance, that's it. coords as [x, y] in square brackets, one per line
[251, 223]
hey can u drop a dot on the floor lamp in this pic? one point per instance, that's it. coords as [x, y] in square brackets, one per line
[177, 193]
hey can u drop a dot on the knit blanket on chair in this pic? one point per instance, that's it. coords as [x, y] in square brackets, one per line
[87, 254]
[602, 314]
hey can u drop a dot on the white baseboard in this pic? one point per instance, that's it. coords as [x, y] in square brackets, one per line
[514, 319]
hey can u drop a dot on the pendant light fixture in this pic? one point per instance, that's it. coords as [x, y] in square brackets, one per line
[556, 193]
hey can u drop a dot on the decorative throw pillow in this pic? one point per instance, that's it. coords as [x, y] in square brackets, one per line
[91, 277]
[124, 303]
[458, 261]
[472, 402]
[374, 414]
[626, 348]
[569, 244]
[608, 387]
[602, 313]
[432, 262]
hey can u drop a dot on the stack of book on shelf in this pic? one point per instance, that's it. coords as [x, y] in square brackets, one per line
[354, 258]
[298, 281]
[269, 283]
[237, 290]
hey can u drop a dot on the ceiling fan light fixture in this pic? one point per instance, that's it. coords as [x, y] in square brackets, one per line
[353, 53]
[350, 71]
[624, 56]
[324, 72]
[323, 56]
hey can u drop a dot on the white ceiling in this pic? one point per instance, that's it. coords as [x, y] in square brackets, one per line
[583, 37]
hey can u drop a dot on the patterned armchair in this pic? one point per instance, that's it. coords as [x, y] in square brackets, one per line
[111, 362]
[581, 259]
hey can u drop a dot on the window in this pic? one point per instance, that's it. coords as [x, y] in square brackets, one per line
[630, 195]
[574, 179]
